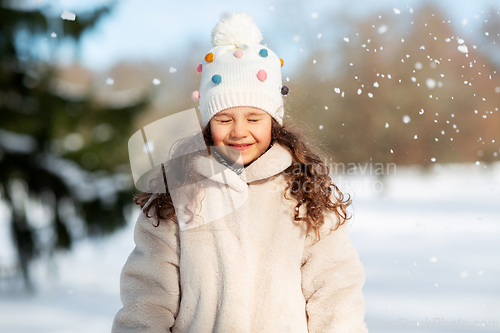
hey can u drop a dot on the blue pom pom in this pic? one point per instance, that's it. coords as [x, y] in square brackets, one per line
[216, 79]
[263, 53]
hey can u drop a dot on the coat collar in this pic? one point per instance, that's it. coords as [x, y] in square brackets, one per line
[269, 164]
[275, 160]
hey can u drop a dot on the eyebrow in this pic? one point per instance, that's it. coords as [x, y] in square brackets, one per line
[251, 113]
[254, 113]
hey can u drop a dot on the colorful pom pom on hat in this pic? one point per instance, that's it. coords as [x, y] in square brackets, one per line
[239, 71]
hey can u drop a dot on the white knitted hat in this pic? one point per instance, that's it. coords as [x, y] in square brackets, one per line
[239, 71]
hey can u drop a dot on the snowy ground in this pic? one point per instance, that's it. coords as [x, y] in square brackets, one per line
[431, 250]
[429, 243]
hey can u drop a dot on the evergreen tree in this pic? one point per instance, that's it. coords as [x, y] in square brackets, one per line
[69, 155]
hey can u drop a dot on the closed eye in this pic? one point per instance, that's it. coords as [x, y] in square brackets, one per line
[254, 120]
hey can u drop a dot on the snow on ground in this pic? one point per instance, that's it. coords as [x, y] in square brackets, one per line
[430, 246]
[429, 242]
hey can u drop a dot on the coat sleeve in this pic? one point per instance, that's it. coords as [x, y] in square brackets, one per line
[332, 279]
[149, 282]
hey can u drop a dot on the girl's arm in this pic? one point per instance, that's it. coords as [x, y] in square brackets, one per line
[332, 278]
[149, 284]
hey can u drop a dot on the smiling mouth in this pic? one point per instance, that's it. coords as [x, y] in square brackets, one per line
[242, 146]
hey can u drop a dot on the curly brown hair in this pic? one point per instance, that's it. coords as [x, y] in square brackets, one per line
[307, 169]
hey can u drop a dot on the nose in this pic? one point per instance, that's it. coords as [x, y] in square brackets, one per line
[239, 129]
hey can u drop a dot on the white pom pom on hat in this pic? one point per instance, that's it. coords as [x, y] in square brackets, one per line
[234, 28]
[239, 71]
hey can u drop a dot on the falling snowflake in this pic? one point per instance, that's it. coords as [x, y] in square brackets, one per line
[382, 29]
[430, 83]
[66, 15]
[463, 48]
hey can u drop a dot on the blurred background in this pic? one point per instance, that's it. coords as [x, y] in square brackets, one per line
[403, 94]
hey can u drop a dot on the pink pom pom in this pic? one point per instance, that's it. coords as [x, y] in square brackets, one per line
[199, 69]
[238, 53]
[262, 75]
[195, 95]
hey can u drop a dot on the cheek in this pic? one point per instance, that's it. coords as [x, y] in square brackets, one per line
[217, 134]
[265, 134]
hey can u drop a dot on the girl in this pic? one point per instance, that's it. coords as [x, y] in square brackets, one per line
[261, 246]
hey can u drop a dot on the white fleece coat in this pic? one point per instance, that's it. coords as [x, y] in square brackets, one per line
[253, 270]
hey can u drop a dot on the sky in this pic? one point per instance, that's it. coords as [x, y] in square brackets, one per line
[158, 29]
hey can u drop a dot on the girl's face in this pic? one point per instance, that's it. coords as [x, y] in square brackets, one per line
[245, 130]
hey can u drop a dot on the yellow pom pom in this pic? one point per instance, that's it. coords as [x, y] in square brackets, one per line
[281, 62]
[209, 57]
